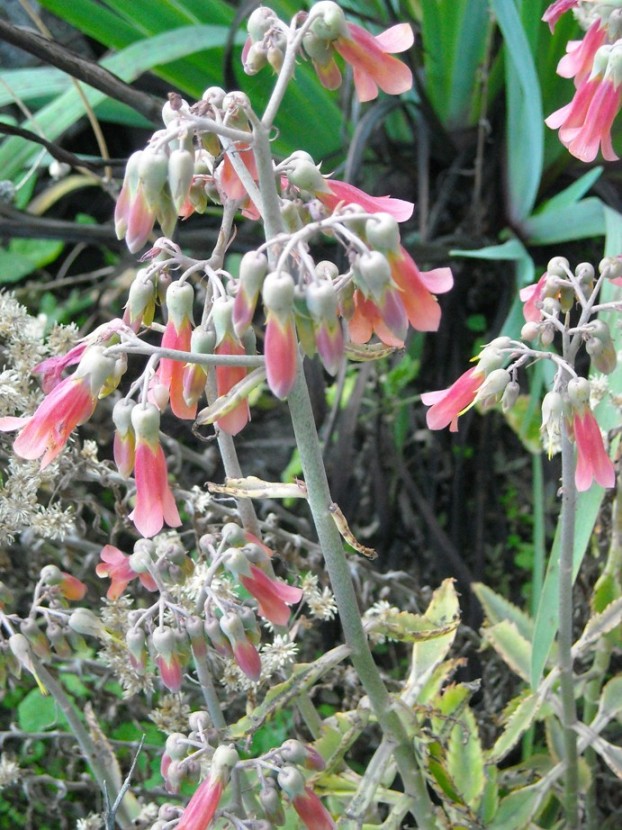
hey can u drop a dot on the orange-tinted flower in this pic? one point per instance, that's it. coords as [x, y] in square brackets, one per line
[228, 343]
[116, 566]
[593, 463]
[71, 403]
[273, 596]
[419, 289]
[177, 335]
[585, 123]
[447, 404]
[155, 503]
[372, 62]
[367, 320]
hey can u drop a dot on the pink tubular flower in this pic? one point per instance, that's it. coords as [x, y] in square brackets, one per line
[579, 58]
[280, 341]
[446, 405]
[419, 289]
[372, 62]
[312, 812]
[585, 124]
[555, 11]
[531, 296]
[133, 216]
[177, 335]
[231, 187]
[116, 566]
[272, 595]
[155, 504]
[228, 343]
[593, 463]
[244, 652]
[202, 806]
[71, 403]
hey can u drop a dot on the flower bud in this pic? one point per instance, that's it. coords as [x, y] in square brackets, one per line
[180, 173]
[275, 57]
[600, 346]
[164, 642]
[329, 21]
[236, 562]
[271, 803]
[530, 332]
[141, 301]
[37, 639]
[305, 175]
[278, 292]
[152, 172]
[233, 534]
[558, 266]
[255, 58]
[611, 267]
[146, 422]
[260, 22]
[85, 622]
[291, 781]
[579, 392]
[510, 396]
[492, 388]
[135, 641]
[382, 232]
[374, 274]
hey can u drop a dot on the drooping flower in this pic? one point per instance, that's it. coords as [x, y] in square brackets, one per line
[167, 657]
[371, 58]
[202, 806]
[593, 463]
[419, 289]
[245, 653]
[124, 441]
[155, 503]
[273, 595]
[312, 812]
[115, 565]
[280, 341]
[71, 403]
[228, 343]
[177, 335]
[230, 185]
[555, 11]
[366, 320]
[585, 123]
[578, 61]
[372, 62]
[447, 404]
[530, 296]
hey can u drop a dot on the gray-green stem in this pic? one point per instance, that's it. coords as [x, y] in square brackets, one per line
[567, 680]
[96, 757]
[319, 499]
[308, 444]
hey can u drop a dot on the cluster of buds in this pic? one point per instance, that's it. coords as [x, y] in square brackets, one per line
[224, 625]
[325, 32]
[281, 772]
[47, 631]
[547, 307]
[595, 64]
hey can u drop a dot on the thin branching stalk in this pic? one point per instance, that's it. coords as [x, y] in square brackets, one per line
[96, 757]
[567, 681]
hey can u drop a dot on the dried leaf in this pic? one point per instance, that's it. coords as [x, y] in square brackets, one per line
[343, 528]
[255, 488]
[598, 625]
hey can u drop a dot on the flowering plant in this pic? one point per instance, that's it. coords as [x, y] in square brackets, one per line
[211, 600]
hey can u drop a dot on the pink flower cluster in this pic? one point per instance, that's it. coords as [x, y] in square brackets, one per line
[595, 64]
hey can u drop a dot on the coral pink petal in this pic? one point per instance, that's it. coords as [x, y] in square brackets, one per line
[399, 209]
[202, 806]
[150, 470]
[398, 38]
[281, 353]
[248, 659]
[438, 281]
[312, 812]
[555, 11]
[460, 394]
[10, 423]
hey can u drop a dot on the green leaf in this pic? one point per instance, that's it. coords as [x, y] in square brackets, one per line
[406, 627]
[525, 127]
[518, 809]
[506, 640]
[518, 723]
[571, 194]
[454, 47]
[582, 220]
[37, 712]
[23, 256]
[465, 760]
[497, 609]
[598, 625]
